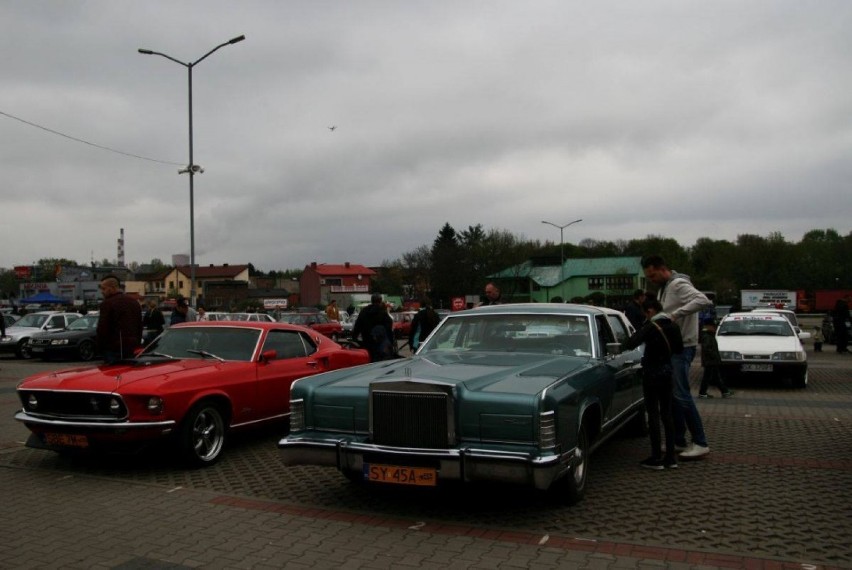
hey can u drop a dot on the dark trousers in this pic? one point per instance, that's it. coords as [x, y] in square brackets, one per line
[712, 377]
[657, 388]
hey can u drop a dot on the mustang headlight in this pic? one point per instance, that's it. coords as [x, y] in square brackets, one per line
[32, 402]
[155, 405]
[114, 406]
[730, 355]
[59, 341]
[297, 415]
[793, 355]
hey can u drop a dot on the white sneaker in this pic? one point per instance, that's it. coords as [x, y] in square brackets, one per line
[695, 451]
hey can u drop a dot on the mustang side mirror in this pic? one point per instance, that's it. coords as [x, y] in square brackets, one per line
[268, 355]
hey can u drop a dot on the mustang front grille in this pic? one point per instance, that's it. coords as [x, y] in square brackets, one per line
[411, 417]
[83, 406]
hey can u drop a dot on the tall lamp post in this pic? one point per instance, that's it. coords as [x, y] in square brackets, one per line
[192, 169]
[561, 246]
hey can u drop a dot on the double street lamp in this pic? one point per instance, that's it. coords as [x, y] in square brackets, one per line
[561, 246]
[192, 169]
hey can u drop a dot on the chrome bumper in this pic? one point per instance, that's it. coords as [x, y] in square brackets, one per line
[26, 418]
[461, 464]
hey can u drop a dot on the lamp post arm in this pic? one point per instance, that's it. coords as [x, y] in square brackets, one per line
[220, 46]
[151, 52]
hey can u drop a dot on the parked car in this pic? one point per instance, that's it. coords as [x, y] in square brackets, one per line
[190, 388]
[251, 317]
[347, 322]
[402, 323]
[9, 319]
[510, 393]
[18, 335]
[762, 344]
[316, 321]
[786, 313]
[77, 340]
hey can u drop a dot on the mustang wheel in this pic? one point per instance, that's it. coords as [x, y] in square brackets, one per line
[202, 436]
[86, 351]
[573, 485]
[23, 350]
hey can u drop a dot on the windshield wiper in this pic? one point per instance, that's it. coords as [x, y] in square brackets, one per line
[205, 354]
[157, 354]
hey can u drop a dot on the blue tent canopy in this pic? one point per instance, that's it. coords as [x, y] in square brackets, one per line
[45, 297]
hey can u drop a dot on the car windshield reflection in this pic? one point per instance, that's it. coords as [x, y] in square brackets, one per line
[84, 324]
[202, 342]
[755, 327]
[540, 334]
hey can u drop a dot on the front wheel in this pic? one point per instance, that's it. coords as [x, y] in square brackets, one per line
[23, 350]
[572, 486]
[86, 350]
[202, 436]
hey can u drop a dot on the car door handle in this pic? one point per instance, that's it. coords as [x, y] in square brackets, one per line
[313, 363]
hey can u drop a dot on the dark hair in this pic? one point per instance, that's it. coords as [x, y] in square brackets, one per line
[112, 277]
[652, 304]
[638, 293]
[376, 298]
[653, 261]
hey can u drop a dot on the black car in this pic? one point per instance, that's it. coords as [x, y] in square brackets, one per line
[78, 340]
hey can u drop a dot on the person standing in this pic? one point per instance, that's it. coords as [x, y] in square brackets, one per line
[819, 338]
[119, 331]
[182, 313]
[840, 318]
[153, 322]
[711, 361]
[492, 295]
[423, 323]
[375, 326]
[663, 341]
[682, 302]
[331, 311]
[633, 310]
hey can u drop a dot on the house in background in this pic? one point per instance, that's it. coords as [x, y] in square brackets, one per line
[607, 281]
[320, 283]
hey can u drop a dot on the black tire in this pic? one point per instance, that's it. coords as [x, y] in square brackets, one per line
[86, 350]
[572, 486]
[202, 435]
[800, 380]
[23, 349]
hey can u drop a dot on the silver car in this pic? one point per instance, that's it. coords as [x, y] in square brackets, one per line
[18, 335]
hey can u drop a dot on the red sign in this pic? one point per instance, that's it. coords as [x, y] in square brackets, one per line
[23, 271]
[457, 303]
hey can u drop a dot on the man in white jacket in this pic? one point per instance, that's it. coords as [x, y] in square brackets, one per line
[682, 301]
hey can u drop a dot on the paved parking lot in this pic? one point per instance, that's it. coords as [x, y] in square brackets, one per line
[774, 493]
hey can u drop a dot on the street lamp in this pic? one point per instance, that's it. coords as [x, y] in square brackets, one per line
[561, 248]
[192, 169]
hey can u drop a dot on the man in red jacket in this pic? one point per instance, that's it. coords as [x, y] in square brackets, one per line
[120, 322]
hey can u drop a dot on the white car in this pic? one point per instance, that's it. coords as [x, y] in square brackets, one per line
[786, 313]
[762, 344]
[18, 335]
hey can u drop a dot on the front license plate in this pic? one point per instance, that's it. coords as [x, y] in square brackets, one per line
[66, 440]
[757, 368]
[36, 349]
[425, 476]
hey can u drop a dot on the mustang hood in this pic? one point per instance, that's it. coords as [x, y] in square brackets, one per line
[484, 372]
[117, 377]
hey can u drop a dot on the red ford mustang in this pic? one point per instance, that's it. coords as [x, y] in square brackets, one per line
[190, 387]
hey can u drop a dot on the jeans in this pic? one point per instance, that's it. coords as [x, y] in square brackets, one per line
[684, 410]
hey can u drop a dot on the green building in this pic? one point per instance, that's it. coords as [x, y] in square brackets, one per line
[607, 281]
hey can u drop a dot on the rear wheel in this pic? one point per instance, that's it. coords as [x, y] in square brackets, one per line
[86, 350]
[202, 436]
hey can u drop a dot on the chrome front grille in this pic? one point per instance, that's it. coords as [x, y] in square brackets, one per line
[84, 406]
[408, 414]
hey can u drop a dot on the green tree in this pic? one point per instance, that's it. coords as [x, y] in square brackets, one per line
[446, 275]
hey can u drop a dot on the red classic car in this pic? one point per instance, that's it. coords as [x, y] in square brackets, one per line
[402, 323]
[189, 387]
[316, 321]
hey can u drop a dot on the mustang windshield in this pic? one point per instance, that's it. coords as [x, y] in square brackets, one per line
[542, 334]
[226, 343]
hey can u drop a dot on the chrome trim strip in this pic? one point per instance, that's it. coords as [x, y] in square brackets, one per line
[270, 418]
[27, 418]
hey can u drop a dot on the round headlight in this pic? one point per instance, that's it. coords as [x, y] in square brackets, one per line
[155, 404]
[32, 402]
[114, 406]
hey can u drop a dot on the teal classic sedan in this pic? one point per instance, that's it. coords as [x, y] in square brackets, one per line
[511, 393]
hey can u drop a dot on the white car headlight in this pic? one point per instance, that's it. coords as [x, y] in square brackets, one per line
[795, 355]
[730, 355]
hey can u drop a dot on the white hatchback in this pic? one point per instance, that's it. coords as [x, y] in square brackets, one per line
[762, 344]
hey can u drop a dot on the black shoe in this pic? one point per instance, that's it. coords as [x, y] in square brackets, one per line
[651, 463]
[670, 463]
[727, 394]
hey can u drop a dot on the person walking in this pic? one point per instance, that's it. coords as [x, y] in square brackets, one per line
[840, 319]
[711, 361]
[375, 325]
[153, 322]
[119, 331]
[682, 302]
[662, 340]
[819, 338]
[331, 311]
[423, 323]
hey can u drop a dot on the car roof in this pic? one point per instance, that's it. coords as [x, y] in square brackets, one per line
[539, 308]
[767, 315]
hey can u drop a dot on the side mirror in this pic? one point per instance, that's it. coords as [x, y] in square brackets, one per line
[613, 348]
[268, 355]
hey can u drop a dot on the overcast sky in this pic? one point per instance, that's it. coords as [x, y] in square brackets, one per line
[679, 118]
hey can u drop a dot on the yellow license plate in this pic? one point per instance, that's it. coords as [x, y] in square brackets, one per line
[66, 440]
[425, 476]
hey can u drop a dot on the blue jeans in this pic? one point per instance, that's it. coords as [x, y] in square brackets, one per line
[683, 409]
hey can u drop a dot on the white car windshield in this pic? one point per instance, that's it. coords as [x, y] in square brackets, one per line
[755, 326]
[205, 342]
[542, 334]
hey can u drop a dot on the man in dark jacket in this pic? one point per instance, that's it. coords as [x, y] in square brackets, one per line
[423, 324]
[375, 326]
[119, 329]
[662, 340]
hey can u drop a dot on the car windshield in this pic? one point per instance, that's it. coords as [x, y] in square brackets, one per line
[31, 320]
[542, 334]
[755, 326]
[204, 342]
[84, 323]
